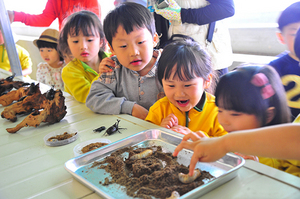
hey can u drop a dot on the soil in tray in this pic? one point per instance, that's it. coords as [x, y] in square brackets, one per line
[155, 175]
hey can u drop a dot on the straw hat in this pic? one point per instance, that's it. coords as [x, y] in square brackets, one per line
[49, 35]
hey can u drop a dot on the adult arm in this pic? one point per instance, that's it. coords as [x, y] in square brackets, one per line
[101, 99]
[41, 20]
[278, 141]
[216, 10]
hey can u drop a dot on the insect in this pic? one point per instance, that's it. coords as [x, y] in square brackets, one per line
[101, 128]
[185, 178]
[174, 195]
[143, 154]
[114, 128]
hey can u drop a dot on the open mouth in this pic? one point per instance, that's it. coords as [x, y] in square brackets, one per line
[182, 102]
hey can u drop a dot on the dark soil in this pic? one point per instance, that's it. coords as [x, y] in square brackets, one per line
[155, 175]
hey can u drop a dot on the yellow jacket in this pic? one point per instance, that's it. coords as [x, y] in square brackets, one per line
[203, 118]
[24, 57]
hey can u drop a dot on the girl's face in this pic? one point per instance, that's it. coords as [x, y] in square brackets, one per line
[185, 95]
[85, 48]
[134, 50]
[51, 56]
[236, 121]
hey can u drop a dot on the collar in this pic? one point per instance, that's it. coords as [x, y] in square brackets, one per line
[201, 103]
[88, 68]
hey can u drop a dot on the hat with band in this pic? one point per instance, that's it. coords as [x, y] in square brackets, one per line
[49, 35]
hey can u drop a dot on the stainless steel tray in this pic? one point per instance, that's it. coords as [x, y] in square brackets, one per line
[80, 167]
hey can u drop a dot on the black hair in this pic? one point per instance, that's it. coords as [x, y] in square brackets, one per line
[82, 21]
[189, 58]
[236, 92]
[45, 44]
[297, 44]
[128, 15]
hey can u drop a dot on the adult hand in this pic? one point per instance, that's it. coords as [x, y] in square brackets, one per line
[173, 12]
[169, 121]
[205, 150]
[11, 15]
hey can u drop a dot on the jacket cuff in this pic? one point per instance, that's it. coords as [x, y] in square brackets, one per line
[127, 107]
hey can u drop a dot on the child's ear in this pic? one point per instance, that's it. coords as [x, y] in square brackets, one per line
[271, 111]
[207, 82]
[155, 40]
[280, 37]
[111, 49]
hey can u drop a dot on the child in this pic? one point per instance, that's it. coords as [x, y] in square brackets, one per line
[131, 88]
[253, 97]
[185, 71]
[84, 36]
[287, 65]
[49, 72]
[24, 57]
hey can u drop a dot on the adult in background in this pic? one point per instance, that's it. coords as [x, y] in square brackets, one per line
[55, 9]
[192, 18]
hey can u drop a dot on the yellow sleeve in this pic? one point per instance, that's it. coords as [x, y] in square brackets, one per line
[24, 57]
[153, 114]
[76, 83]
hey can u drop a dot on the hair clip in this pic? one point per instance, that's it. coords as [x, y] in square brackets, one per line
[261, 80]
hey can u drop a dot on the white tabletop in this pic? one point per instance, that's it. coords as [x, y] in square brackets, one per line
[31, 169]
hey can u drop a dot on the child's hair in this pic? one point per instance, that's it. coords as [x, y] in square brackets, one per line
[189, 58]
[45, 44]
[128, 15]
[297, 44]
[290, 15]
[83, 21]
[252, 90]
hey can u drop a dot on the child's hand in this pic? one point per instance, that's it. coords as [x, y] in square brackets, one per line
[181, 129]
[139, 111]
[106, 65]
[170, 121]
[248, 157]
[173, 12]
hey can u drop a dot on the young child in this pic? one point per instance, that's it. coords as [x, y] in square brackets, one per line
[185, 71]
[131, 87]
[287, 65]
[84, 36]
[49, 72]
[252, 97]
[25, 60]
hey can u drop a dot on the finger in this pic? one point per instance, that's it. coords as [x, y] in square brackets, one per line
[194, 161]
[192, 136]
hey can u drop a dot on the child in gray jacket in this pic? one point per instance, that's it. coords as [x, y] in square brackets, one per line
[128, 84]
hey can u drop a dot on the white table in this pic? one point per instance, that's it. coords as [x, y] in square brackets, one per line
[31, 169]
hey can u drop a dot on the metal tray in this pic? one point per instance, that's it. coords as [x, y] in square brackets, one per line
[80, 167]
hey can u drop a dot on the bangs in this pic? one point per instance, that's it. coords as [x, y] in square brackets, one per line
[235, 93]
[86, 28]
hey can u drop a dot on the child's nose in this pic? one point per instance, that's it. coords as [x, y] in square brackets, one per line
[134, 51]
[179, 93]
[83, 45]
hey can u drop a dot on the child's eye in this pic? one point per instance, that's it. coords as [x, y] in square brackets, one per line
[220, 111]
[90, 40]
[171, 86]
[123, 46]
[75, 42]
[188, 85]
[235, 114]
[141, 42]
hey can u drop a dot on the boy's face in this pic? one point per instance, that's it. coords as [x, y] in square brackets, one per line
[50, 55]
[134, 50]
[287, 37]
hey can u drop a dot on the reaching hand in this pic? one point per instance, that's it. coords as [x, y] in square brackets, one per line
[106, 65]
[170, 121]
[173, 12]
